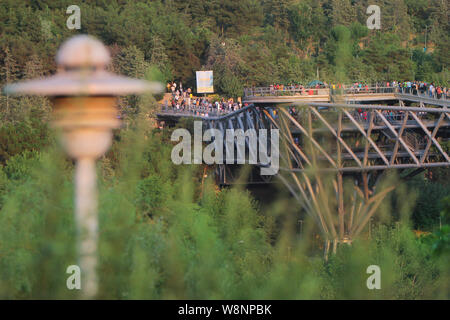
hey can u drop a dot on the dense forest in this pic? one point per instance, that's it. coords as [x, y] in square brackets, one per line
[246, 42]
[168, 232]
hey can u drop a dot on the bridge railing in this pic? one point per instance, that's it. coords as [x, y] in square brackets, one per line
[346, 90]
[294, 91]
[423, 93]
[195, 111]
[366, 90]
[285, 91]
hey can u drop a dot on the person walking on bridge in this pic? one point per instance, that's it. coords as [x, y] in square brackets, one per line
[408, 87]
[439, 92]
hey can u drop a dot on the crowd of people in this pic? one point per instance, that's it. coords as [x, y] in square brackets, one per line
[179, 95]
[298, 87]
[184, 100]
[423, 88]
[409, 87]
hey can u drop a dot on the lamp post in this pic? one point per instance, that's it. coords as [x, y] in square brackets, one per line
[85, 112]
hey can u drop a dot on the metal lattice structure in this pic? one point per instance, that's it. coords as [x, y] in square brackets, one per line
[361, 143]
[326, 146]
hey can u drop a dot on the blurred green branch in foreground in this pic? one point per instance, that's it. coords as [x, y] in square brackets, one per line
[165, 234]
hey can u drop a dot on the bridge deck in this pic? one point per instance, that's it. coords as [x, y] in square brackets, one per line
[390, 142]
[321, 98]
[266, 95]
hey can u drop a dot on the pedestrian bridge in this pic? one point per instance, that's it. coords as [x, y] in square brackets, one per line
[348, 95]
[325, 146]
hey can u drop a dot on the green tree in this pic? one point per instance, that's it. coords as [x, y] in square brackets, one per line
[10, 73]
[343, 13]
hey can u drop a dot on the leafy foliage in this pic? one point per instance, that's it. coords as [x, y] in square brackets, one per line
[165, 234]
[168, 232]
[266, 41]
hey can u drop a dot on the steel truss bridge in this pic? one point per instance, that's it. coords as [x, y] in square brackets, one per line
[333, 156]
[347, 95]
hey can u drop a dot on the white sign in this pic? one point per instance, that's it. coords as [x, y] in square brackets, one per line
[205, 82]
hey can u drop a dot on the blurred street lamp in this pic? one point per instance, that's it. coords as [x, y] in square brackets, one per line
[84, 98]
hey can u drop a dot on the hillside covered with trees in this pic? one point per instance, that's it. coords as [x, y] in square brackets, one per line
[246, 42]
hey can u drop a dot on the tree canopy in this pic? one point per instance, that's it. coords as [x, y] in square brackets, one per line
[262, 42]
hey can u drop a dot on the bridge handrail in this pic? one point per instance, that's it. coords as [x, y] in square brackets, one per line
[203, 112]
[270, 91]
[349, 90]
[368, 90]
[414, 92]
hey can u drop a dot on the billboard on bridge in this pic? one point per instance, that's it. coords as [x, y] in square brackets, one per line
[205, 83]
